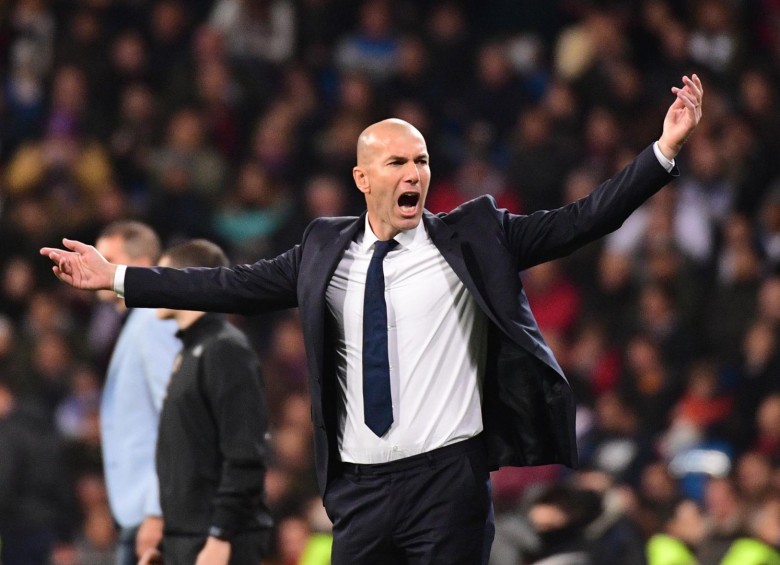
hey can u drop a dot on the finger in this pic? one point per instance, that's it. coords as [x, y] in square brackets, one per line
[681, 98]
[60, 275]
[698, 83]
[64, 265]
[689, 102]
[74, 245]
[55, 255]
[677, 100]
[693, 86]
[686, 98]
[691, 93]
[684, 90]
[693, 90]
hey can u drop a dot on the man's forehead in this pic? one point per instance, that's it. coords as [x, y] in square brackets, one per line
[390, 135]
[403, 144]
[396, 141]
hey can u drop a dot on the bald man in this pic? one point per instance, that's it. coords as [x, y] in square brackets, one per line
[426, 366]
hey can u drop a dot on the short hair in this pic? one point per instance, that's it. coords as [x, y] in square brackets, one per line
[196, 253]
[139, 240]
[581, 506]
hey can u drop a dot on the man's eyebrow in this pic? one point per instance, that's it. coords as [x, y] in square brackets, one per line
[404, 158]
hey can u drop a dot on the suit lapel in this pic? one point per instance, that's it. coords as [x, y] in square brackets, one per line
[454, 251]
[328, 251]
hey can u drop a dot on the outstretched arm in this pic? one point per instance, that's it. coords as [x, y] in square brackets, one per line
[82, 266]
[682, 117]
[545, 235]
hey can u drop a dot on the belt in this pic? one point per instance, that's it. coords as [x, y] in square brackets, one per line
[476, 443]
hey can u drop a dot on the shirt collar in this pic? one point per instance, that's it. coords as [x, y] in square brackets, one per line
[405, 239]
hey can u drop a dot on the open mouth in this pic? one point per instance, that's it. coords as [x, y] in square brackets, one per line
[408, 201]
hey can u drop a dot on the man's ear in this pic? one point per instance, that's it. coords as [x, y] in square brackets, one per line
[361, 180]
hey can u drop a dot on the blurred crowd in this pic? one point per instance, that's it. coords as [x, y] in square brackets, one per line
[236, 120]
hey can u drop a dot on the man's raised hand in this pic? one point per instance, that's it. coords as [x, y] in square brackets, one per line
[682, 117]
[81, 266]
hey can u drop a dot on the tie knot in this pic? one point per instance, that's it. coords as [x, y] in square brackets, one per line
[382, 248]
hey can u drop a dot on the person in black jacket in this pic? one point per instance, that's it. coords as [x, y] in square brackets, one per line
[211, 449]
[36, 501]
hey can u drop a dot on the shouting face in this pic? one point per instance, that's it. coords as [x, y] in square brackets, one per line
[393, 173]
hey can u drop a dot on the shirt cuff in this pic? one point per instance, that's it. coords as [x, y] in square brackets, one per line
[665, 163]
[119, 280]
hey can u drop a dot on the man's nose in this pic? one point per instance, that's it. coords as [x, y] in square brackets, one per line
[412, 173]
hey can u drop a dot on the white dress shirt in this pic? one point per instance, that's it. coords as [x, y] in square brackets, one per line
[437, 339]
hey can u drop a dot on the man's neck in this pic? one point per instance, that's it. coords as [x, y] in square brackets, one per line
[185, 318]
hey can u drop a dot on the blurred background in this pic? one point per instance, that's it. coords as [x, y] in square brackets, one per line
[236, 120]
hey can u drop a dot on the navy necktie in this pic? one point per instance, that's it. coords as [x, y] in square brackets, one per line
[377, 402]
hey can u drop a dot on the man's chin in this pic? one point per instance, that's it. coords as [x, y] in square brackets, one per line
[408, 223]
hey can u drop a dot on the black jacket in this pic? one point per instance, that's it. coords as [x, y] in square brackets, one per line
[528, 407]
[211, 449]
[36, 495]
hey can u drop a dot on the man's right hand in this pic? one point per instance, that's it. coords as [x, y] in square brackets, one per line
[150, 534]
[151, 556]
[82, 267]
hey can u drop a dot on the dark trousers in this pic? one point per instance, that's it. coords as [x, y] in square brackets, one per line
[428, 509]
[125, 546]
[245, 548]
[26, 547]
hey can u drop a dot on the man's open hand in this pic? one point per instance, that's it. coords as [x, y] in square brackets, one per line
[81, 266]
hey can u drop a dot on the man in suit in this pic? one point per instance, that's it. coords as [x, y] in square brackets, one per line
[426, 367]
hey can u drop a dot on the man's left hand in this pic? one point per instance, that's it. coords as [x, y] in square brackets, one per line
[215, 552]
[151, 557]
[682, 117]
[149, 535]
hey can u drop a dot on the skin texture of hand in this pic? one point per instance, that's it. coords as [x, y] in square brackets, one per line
[151, 557]
[82, 266]
[682, 117]
[149, 535]
[215, 552]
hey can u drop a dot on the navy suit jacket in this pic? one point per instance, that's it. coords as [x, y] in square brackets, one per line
[528, 406]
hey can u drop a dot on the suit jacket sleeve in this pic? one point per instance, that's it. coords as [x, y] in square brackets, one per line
[546, 235]
[269, 284]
